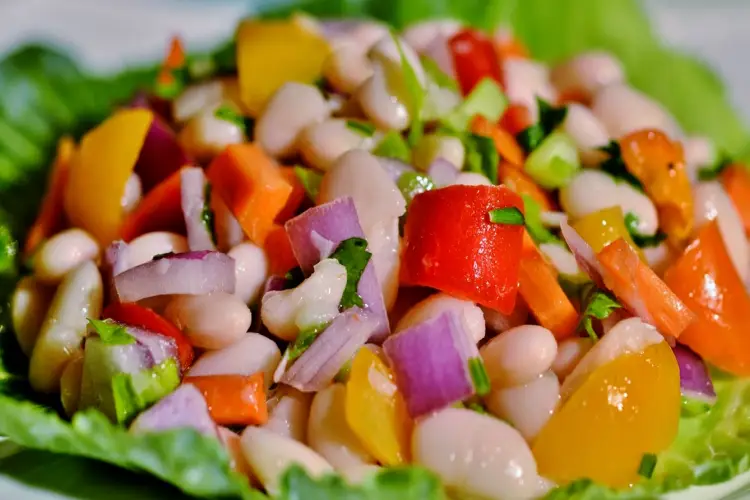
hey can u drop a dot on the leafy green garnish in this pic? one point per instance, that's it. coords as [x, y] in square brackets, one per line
[691, 407]
[362, 128]
[353, 255]
[479, 376]
[304, 340]
[550, 118]
[643, 241]
[413, 183]
[647, 465]
[434, 73]
[600, 305]
[481, 156]
[533, 216]
[310, 181]
[615, 166]
[714, 171]
[393, 145]
[228, 114]
[208, 218]
[477, 407]
[486, 99]
[416, 95]
[110, 332]
[508, 215]
[134, 392]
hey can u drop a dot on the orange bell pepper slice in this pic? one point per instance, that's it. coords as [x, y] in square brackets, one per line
[296, 198]
[516, 118]
[233, 399]
[278, 249]
[506, 145]
[736, 180]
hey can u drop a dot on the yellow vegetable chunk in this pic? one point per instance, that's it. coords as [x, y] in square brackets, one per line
[602, 227]
[375, 410]
[271, 53]
[99, 171]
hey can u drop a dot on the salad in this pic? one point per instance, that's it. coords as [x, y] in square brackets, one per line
[340, 260]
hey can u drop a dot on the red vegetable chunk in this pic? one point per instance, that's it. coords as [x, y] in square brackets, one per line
[474, 58]
[451, 245]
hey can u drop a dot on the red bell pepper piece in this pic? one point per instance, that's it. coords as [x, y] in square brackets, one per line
[130, 313]
[474, 58]
[451, 245]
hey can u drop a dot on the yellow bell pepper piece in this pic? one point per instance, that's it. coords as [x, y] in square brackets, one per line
[99, 171]
[601, 228]
[375, 410]
[271, 53]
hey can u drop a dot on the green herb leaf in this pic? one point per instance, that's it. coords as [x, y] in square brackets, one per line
[533, 216]
[550, 118]
[479, 376]
[134, 392]
[600, 305]
[434, 73]
[362, 128]
[304, 340]
[413, 183]
[110, 332]
[208, 218]
[310, 181]
[474, 406]
[416, 95]
[615, 166]
[508, 215]
[486, 99]
[643, 241]
[647, 466]
[353, 255]
[714, 171]
[393, 145]
[481, 156]
[228, 114]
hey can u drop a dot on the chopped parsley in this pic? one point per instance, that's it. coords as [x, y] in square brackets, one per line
[226, 113]
[600, 305]
[481, 156]
[304, 340]
[110, 332]
[647, 465]
[310, 181]
[207, 214]
[477, 407]
[615, 166]
[362, 128]
[353, 255]
[533, 216]
[393, 145]
[713, 171]
[631, 223]
[550, 118]
[479, 376]
[508, 215]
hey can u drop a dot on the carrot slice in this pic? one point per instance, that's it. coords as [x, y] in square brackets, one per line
[296, 198]
[160, 210]
[233, 399]
[506, 145]
[517, 180]
[252, 186]
[641, 290]
[176, 55]
[736, 180]
[51, 217]
[278, 249]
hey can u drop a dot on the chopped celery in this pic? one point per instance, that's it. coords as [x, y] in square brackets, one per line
[412, 183]
[134, 392]
[393, 145]
[487, 99]
[554, 162]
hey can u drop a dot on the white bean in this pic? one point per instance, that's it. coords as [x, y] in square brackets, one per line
[321, 144]
[471, 179]
[78, 297]
[205, 135]
[329, 434]
[561, 258]
[525, 80]
[229, 233]
[587, 73]
[434, 146]
[623, 110]
[569, 353]
[593, 190]
[347, 67]
[359, 174]
[476, 456]
[700, 152]
[420, 35]
[358, 474]
[147, 246]
[28, 306]
[527, 407]
[196, 98]
[384, 244]
[499, 322]
[210, 321]
[288, 413]
[386, 52]
[251, 271]
[132, 195]
[712, 202]
[379, 104]
[253, 353]
[434, 305]
[628, 336]
[313, 302]
[292, 108]
[587, 132]
[270, 454]
[63, 252]
[519, 355]
[70, 384]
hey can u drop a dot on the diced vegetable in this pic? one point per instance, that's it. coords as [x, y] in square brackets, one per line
[442, 172]
[431, 362]
[695, 382]
[185, 407]
[411, 184]
[474, 58]
[705, 279]
[550, 118]
[451, 245]
[641, 291]
[93, 192]
[485, 101]
[195, 195]
[281, 51]
[736, 180]
[505, 143]
[599, 305]
[294, 176]
[516, 119]
[161, 155]
[159, 210]
[534, 224]
[516, 180]
[481, 156]
[602, 227]
[233, 399]
[393, 145]
[584, 254]
[134, 392]
[554, 162]
[111, 333]
[310, 181]
[192, 273]
[279, 251]
[252, 186]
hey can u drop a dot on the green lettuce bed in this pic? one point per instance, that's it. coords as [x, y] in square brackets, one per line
[45, 95]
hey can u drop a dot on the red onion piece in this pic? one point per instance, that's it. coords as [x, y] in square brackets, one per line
[337, 221]
[431, 363]
[193, 201]
[695, 381]
[160, 347]
[162, 107]
[584, 254]
[161, 155]
[185, 407]
[394, 168]
[442, 172]
[191, 273]
[274, 283]
[320, 363]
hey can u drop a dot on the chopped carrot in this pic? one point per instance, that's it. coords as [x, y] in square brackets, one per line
[176, 56]
[515, 119]
[516, 179]
[641, 291]
[736, 180]
[573, 96]
[545, 298]
[252, 186]
[295, 199]
[506, 145]
[233, 399]
[159, 210]
[279, 251]
[51, 218]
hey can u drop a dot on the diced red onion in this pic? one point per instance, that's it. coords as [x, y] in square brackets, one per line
[115, 257]
[320, 363]
[324, 246]
[695, 381]
[431, 363]
[337, 221]
[160, 347]
[185, 407]
[162, 107]
[274, 283]
[394, 168]
[442, 172]
[161, 155]
[584, 254]
[191, 273]
[193, 201]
